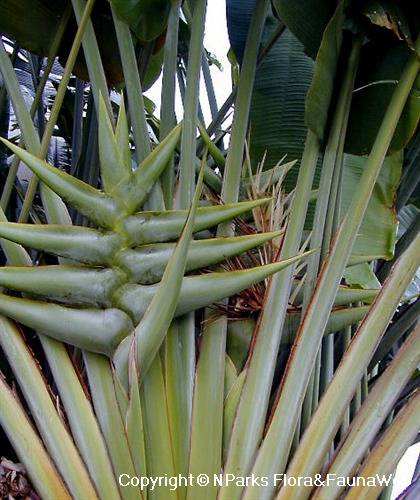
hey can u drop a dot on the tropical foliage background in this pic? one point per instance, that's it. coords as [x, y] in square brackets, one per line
[237, 298]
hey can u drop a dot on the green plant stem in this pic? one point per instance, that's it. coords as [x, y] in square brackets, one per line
[211, 95]
[55, 209]
[326, 420]
[317, 370]
[81, 418]
[384, 457]
[131, 410]
[188, 139]
[219, 118]
[26, 443]
[13, 88]
[92, 55]
[133, 87]
[308, 402]
[347, 335]
[327, 362]
[327, 209]
[179, 379]
[233, 166]
[336, 145]
[396, 331]
[180, 343]
[206, 447]
[8, 186]
[110, 419]
[368, 421]
[167, 110]
[251, 412]
[55, 436]
[308, 339]
[331, 162]
[159, 448]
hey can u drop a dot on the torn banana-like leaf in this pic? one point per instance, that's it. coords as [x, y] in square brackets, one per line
[153, 227]
[391, 16]
[65, 283]
[198, 291]
[146, 264]
[95, 330]
[80, 244]
[92, 203]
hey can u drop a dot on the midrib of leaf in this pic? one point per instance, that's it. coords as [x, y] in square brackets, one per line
[251, 412]
[180, 341]
[133, 88]
[326, 210]
[93, 58]
[207, 412]
[167, 111]
[109, 418]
